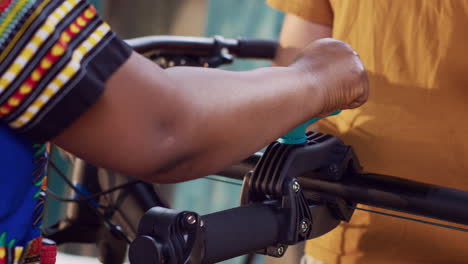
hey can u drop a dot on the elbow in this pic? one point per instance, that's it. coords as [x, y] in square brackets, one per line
[169, 156]
[173, 171]
[169, 163]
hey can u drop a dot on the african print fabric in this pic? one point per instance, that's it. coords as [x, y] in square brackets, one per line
[55, 57]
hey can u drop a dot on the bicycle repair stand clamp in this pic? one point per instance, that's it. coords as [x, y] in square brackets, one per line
[270, 190]
[274, 179]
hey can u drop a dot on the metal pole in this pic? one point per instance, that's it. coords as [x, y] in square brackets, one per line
[397, 194]
[381, 191]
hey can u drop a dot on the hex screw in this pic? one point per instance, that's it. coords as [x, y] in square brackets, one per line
[191, 219]
[295, 186]
[304, 227]
[280, 251]
[333, 170]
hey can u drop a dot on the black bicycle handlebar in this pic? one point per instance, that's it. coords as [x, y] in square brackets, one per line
[203, 46]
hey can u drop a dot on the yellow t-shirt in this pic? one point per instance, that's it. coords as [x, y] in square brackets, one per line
[415, 124]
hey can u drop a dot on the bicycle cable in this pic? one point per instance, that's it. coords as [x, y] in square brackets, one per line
[410, 219]
[211, 178]
[214, 178]
[113, 228]
[90, 197]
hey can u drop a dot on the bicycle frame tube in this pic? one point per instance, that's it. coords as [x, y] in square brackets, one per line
[381, 191]
[398, 194]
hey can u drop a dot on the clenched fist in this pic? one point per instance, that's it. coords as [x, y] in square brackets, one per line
[335, 70]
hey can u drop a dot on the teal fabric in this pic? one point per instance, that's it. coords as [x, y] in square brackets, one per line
[246, 18]
[97, 4]
[231, 19]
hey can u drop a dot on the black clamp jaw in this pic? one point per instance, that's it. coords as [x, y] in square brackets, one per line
[275, 179]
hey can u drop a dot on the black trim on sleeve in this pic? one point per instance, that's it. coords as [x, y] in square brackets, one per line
[83, 95]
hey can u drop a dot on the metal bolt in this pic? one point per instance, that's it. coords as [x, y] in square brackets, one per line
[162, 62]
[333, 170]
[304, 227]
[224, 51]
[280, 251]
[296, 187]
[191, 219]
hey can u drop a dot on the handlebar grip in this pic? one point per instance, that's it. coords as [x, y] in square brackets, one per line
[239, 231]
[256, 48]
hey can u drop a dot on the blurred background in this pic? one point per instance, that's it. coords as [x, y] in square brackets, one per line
[229, 18]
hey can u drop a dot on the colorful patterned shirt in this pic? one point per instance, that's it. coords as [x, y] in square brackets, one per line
[55, 57]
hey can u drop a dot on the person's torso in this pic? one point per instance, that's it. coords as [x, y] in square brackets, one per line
[413, 125]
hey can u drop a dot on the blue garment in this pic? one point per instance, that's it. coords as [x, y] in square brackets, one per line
[22, 170]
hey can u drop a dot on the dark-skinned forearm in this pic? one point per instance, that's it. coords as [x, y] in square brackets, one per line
[183, 123]
[229, 115]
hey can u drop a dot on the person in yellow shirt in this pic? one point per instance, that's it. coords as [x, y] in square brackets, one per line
[414, 124]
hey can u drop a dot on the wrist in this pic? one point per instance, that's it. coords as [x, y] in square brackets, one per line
[314, 92]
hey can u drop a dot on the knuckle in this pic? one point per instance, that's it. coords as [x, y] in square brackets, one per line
[359, 66]
[362, 73]
[331, 43]
[364, 76]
